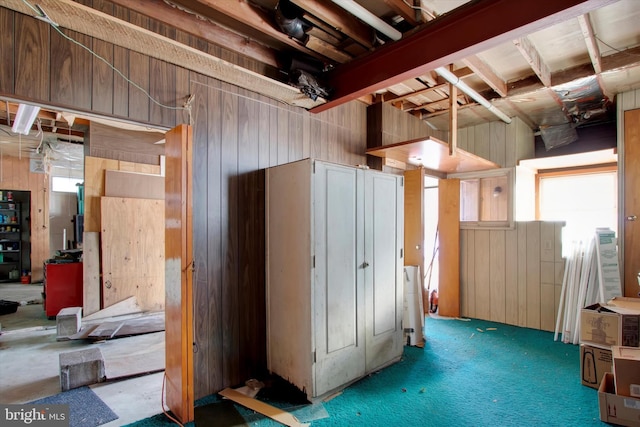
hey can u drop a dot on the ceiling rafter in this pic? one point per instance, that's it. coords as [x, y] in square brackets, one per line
[537, 64]
[207, 30]
[590, 40]
[337, 18]
[409, 14]
[484, 71]
[485, 27]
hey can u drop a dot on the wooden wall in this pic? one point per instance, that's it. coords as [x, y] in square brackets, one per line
[512, 276]
[15, 175]
[504, 144]
[236, 135]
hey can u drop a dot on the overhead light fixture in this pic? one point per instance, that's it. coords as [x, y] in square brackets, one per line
[25, 117]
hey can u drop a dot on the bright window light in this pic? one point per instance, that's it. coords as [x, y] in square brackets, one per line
[65, 185]
[585, 202]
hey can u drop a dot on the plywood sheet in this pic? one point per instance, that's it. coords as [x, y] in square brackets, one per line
[132, 356]
[133, 185]
[133, 251]
[433, 154]
[126, 306]
[94, 189]
[90, 272]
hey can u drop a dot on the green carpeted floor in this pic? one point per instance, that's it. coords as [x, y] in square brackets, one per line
[464, 377]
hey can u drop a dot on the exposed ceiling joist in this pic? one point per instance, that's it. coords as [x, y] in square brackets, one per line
[197, 26]
[337, 18]
[411, 15]
[485, 27]
[590, 41]
[537, 64]
[484, 71]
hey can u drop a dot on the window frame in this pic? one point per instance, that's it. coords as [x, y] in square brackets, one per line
[509, 223]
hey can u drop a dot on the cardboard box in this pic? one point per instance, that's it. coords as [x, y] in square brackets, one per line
[626, 370]
[594, 362]
[621, 410]
[615, 323]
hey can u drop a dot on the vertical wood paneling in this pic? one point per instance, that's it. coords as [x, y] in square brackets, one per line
[482, 140]
[201, 299]
[263, 134]
[463, 138]
[32, 57]
[273, 133]
[295, 136]
[497, 256]
[7, 51]
[464, 274]
[533, 275]
[70, 83]
[162, 82]
[511, 142]
[283, 136]
[121, 63]
[103, 78]
[511, 277]
[229, 166]
[471, 268]
[522, 273]
[139, 76]
[449, 251]
[483, 274]
[316, 138]
[547, 307]
[498, 143]
[214, 238]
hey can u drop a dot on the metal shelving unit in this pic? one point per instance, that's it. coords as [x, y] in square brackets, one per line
[10, 240]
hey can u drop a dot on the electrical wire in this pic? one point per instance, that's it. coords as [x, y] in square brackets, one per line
[44, 17]
[617, 50]
[164, 378]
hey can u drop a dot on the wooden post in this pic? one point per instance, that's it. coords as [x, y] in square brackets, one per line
[179, 273]
[453, 117]
[449, 252]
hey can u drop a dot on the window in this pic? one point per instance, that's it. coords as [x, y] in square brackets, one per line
[65, 185]
[585, 199]
[486, 199]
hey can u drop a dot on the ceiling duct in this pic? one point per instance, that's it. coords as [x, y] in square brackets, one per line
[558, 136]
[289, 19]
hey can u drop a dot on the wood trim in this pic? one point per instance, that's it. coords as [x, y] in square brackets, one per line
[179, 273]
[449, 238]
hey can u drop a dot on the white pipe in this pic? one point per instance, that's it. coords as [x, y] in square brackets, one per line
[368, 17]
[455, 80]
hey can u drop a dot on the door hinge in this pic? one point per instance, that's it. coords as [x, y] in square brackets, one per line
[314, 356]
[401, 253]
[314, 166]
[313, 261]
[402, 181]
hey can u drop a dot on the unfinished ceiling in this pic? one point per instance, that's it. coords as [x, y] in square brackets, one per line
[556, 65]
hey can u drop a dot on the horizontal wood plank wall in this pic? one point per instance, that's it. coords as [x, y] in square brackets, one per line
[513, 276]
[15, 175]
[236, 134]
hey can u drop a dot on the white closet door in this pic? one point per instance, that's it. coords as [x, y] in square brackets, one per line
[384, 202]
[338, 287]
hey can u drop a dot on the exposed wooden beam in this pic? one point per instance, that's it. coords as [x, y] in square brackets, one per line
[625, 59]
[255, 18]
[440, 105]
[404, 10]
[389, 97]
[326, 49]
[486, 23]
[207, 30]
[337, 18]
[537, 64]
[590, 41]
[484, 71]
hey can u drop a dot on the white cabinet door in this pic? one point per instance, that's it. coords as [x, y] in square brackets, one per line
[384, 237]
[338, 290]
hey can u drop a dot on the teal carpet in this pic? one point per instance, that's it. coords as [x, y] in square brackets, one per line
[464, 377]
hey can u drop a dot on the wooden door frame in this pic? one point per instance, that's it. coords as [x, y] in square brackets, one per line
[179, 272]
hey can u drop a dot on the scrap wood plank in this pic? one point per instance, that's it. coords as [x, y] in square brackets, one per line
[129, 327]
[126, 306]
[84, 333]
[272, 412]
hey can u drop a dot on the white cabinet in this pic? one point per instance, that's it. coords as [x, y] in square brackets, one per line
[334, 273]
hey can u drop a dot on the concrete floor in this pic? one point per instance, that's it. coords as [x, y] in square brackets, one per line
[30, 370]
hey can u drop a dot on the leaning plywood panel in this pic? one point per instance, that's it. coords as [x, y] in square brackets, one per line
[133, 251]
[133, 185]
[533, 275]
[94, 189]
[91, 272]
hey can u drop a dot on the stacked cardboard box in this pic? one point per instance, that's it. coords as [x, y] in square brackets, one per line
[616, 323]
[610, 358]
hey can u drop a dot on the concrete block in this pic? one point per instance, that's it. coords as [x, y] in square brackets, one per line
[68, 322]
[81, 367]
